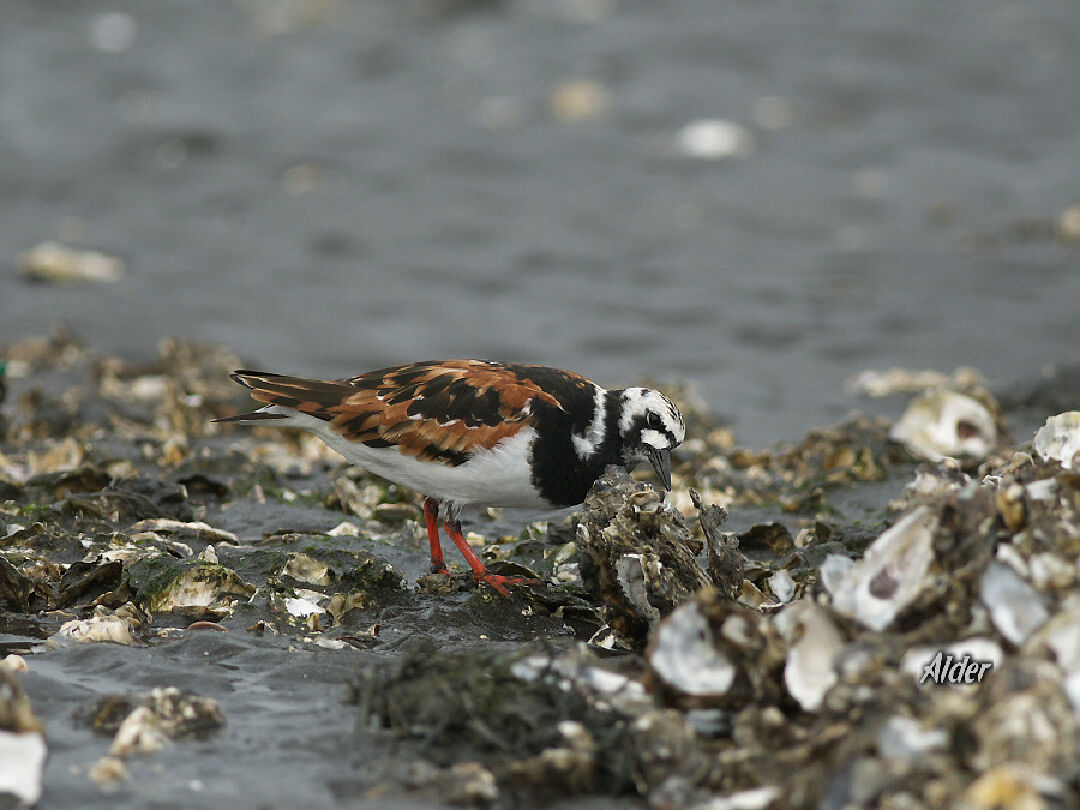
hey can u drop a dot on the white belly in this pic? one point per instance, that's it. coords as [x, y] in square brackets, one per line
[496, 477]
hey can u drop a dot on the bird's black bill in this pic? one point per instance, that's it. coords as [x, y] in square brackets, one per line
[661, 464]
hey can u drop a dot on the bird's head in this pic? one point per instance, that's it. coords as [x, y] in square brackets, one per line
[650, 427]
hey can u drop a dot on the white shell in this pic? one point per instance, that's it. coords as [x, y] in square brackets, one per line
[1060, 639]
[683, 655]
[903, 738]
[891, 574]
[810, 670]
[630, 573]
[782, 585]
[943, 424]
[101, 626]
[22, 761]
[1015, 606]
[1059, 439]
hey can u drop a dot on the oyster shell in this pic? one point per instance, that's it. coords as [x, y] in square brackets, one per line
[1059, 439]
[890, 575]
[22, 743]
[636, 555]
[814, 650]
[941, 424]
[1015, 606]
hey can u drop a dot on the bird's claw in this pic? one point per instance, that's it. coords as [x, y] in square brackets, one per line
[499, 582]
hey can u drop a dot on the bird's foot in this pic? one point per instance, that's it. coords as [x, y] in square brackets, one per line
[499, 582]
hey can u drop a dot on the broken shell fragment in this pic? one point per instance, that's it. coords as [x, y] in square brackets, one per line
[139, 733]
[22, 744]
[890, 575]
[305, 603]
[759, 798]
[782, 585]
[145, 723]
[683, 657]
[54, 263]
[1058, 640]
[713, 139]
[195, 529]
[345, 529]
[1015, 606]
[904, 738]
[814, 649]
[104, 625]
[941, 424]
[874, 383]
[712, 652]
[1059, 439]
[636, 555]
[304, 568]
[471, 784]
[198, 587]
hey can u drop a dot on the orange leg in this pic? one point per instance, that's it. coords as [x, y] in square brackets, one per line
[480, 572]
[431, 515]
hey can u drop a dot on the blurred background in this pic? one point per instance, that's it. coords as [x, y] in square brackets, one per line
[763, 198]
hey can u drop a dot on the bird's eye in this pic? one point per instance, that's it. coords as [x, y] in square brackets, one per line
[654, 421]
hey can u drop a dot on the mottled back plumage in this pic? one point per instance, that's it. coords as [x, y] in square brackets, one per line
[434, 410]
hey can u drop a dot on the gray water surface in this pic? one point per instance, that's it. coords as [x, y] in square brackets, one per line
[335, 186]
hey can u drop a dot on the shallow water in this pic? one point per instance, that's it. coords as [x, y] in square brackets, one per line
[383, 182]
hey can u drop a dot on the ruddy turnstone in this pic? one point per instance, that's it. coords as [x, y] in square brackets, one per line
[476, 433]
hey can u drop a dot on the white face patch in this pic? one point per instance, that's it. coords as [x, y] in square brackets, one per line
[655, 438]
[633, 405]
[639, 403]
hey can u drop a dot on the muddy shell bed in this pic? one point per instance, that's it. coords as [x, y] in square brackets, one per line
[193, 614]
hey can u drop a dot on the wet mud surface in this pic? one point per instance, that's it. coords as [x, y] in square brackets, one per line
[193, 614]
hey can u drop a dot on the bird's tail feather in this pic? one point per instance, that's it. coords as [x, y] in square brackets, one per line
[313, 397]
[256, 416]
